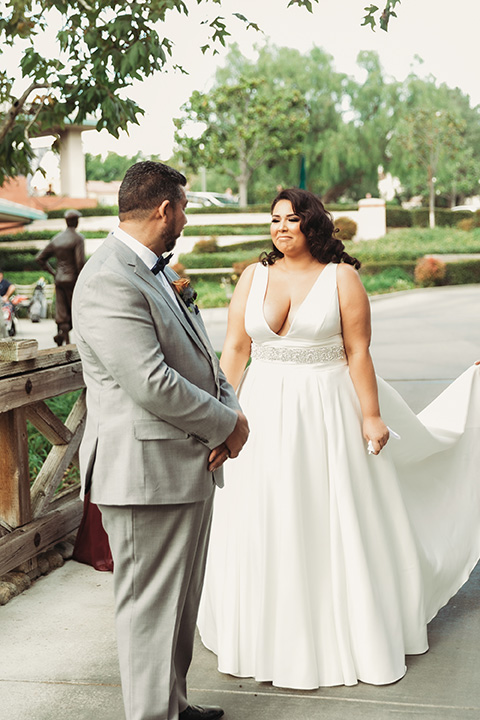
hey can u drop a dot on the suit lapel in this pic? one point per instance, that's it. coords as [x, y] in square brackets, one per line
[142, 271]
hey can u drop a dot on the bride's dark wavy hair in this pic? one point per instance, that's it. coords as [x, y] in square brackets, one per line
[317, 225]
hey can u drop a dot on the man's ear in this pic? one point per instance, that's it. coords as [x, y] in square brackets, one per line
[164, 209]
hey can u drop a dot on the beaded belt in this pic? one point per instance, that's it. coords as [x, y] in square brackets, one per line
[303, 356]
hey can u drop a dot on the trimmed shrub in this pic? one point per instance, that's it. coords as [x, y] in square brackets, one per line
[470, 222]
[391, 279]
[86, 212]
[19, 260]
[225, 209]
[372, 267]
[190, 230]
[345, 228]
[206, 246]
[338, 207]
[239, 267]
[28, 235]
[213, 260]
[398, 217]
[179, 269]
[250, 246]
[443, 217]
[430, 271]
[463, 272]
[467, 224]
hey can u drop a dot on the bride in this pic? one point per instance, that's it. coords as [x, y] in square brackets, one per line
[332, 546]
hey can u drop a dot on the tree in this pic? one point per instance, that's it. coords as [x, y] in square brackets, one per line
[427, 138]
[245, 124]
[347, 123]
[101, 47]
[435, 146]
[112, 167]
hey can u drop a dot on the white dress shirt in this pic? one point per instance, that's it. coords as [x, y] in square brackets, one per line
[145, 254]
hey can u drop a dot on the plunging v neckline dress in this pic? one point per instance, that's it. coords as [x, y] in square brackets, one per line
[326, 563]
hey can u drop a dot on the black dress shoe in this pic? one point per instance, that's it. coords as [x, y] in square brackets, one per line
[196, 712]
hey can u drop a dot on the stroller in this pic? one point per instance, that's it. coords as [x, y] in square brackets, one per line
[8, 313]
[38, 303]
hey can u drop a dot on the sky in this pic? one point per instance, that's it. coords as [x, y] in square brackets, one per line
[443, 33]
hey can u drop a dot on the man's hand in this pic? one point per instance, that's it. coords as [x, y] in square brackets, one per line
[217, 457]
[237, 439]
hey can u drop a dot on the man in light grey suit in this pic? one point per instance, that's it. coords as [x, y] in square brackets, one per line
[161, 420]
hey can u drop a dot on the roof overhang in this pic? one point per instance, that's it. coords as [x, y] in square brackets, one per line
[14, 212]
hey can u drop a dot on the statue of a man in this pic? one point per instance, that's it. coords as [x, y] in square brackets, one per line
[68, 247]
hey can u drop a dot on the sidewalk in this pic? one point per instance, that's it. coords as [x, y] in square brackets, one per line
[58, 647]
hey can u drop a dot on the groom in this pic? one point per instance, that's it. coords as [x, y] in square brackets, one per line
[161, 420]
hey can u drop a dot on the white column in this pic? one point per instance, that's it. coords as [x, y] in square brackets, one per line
[372, 219]
[72, 164]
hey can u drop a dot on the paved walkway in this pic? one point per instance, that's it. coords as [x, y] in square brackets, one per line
[57, 639]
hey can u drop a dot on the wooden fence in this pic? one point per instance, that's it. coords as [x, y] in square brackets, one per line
[33, 517]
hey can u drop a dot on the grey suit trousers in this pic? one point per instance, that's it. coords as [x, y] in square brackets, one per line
[159, 554]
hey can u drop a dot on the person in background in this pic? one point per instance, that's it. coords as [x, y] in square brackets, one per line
[6, 287]
[68, 247]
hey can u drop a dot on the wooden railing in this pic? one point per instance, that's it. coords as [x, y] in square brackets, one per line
[33, 517]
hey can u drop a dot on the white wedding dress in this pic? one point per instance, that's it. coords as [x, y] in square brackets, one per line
[326, 563]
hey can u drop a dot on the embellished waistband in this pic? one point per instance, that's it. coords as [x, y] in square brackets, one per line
[299, 355]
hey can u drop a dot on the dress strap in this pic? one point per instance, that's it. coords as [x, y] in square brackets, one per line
[256, 294]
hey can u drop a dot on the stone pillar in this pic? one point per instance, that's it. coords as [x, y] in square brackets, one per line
[372, 219]
[72, 164]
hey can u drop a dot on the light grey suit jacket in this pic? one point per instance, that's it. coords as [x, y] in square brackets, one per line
[157, 401]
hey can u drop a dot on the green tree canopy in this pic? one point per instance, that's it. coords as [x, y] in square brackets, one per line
[435, 145]
[101, 48]
[245, 123]
[340, 126]
[111, 167]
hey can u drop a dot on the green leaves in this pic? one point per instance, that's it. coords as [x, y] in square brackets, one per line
[302, 3]
[104, 46]
[386, 14]
[242, 124]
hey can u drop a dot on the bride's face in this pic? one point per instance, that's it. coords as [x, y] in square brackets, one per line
[285, 229]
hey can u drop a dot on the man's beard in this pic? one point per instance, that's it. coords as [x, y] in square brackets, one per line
[170, 239]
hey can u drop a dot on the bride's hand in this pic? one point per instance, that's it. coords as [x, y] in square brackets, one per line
[376, 432]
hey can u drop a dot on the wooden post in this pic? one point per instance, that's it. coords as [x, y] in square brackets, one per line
[15, 506]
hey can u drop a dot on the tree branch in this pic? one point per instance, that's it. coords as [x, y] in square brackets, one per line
[16, 109]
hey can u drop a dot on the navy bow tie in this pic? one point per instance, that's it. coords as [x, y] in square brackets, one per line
[161, 263]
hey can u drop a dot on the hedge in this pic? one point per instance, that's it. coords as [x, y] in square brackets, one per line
[370, 267]
[463, 272]
[398, 217]
[18, 260]
[443, 218]
[86, 212]
[190, 230]
[46, 235]
[215, 260]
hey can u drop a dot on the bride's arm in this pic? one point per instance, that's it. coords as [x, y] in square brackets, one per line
[236, 348]
[356, 330]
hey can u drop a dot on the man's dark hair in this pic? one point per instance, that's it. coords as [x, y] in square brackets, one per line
[146, 185]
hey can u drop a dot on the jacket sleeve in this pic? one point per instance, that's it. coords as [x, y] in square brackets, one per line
[114, 319]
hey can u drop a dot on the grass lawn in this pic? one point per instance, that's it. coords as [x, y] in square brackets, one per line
[39, 446]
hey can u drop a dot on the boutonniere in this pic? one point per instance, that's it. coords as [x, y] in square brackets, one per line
[187, 293]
